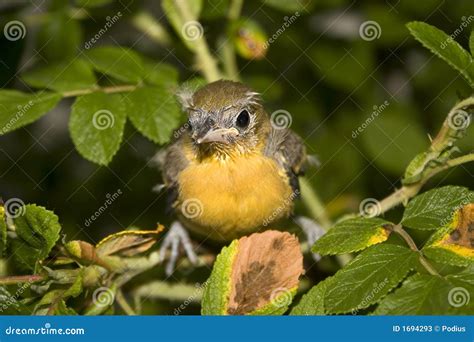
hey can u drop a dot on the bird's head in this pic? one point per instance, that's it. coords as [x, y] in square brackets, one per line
[224, 117]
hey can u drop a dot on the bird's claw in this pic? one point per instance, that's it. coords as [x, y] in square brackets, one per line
[176, 236]
[312, 230]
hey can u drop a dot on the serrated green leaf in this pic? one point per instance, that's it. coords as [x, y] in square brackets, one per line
[119, 62]
[61, 77]
[434, 208]
[255, 275]
[444, 47]
[38, 230]
[60, 36]
[18, 109]
[352, 235]
[312, 303]
[453, 243]
[290, 6]
[154, 112]
[161, 74]
[96, 126]
[369, 277]
[216, 294]
[431, 295]
[189, 30]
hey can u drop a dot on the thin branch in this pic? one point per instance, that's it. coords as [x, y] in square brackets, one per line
[122, 302]
[228, 51]
[314, 204]
[108, 90]
[402, 232]
[10, 280]
[206, 62]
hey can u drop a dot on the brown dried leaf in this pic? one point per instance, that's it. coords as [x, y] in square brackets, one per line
[128, 242]
[267, 265]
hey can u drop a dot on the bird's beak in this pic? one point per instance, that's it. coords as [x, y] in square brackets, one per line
[218, 135]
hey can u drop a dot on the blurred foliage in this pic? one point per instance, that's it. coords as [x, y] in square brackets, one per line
[318, 68]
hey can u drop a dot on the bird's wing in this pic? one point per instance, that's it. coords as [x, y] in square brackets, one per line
[171, 162]
[288, 150]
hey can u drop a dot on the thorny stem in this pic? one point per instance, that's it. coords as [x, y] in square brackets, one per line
[206, 62]
[228, 50]
[441, 141]
[402, 232]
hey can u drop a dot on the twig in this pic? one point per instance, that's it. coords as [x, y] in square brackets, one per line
[120, 298]
[314, 204]
[228, 51]
[402, 232]
[152, 28]
[10, 280]
[108, 90]
[206, 62]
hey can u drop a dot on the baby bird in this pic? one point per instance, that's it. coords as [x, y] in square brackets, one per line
[233, 170]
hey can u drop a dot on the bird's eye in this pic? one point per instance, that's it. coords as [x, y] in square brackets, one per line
[243, 119]
[189, 126]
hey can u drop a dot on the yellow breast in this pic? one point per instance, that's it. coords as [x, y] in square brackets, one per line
[226, 199]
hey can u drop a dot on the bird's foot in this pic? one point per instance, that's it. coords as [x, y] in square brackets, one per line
[176, 236]
[312, 230]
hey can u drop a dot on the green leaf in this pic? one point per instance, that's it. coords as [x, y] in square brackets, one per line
[255, 275]
[216, 294]
[290, 6]
[96, 126]
[352, 235]
[154, 112]
[119, 62]
[18, 109]
[369, 277]
[60, 36]
[190, 30]
[453, 243]
[161, 74]
[431, 295]
[434, 208]
[312, 303]
[65, 76]
[38, 230]
[444, 47]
